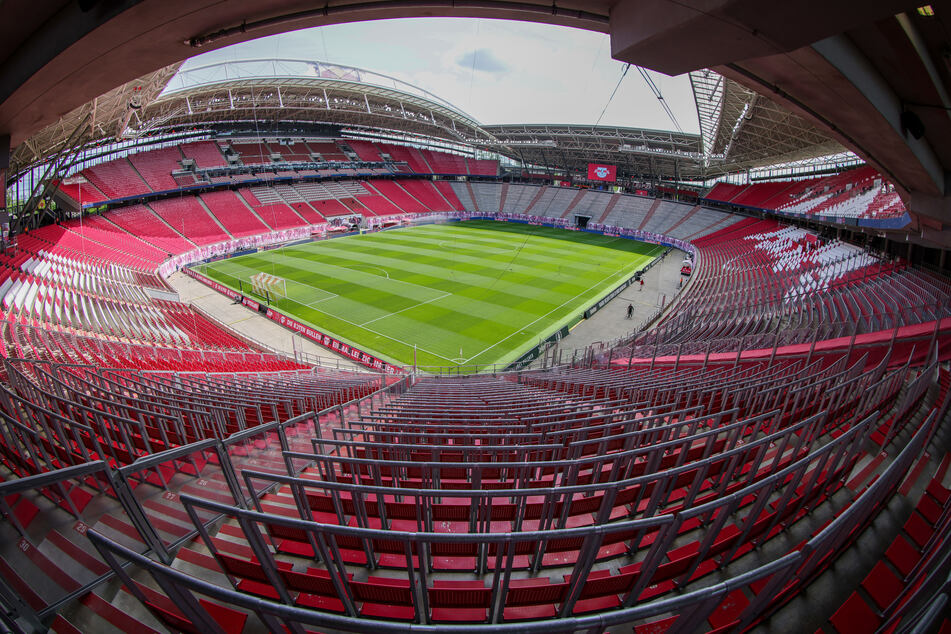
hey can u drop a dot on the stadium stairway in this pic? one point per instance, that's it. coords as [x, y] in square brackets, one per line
[223, 230]
[217, 556]
[531, 205]
[877, 572]
[650, 214]
[610, 206]
[503, 195]
[574, 202]
[472, 196]
[683, 219]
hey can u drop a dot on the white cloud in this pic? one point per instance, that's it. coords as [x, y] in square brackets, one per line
[481, 60]
[497, 71]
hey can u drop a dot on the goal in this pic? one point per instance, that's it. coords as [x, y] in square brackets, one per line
[269, 286]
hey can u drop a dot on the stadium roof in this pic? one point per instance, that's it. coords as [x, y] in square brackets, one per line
[106, 117]
[873, 74]
[309, 91]
[258, 92]
[636, 152]
[740, 129]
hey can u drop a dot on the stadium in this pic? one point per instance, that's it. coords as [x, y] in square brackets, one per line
[291, 345]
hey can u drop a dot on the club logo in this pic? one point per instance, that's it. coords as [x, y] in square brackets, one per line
[601, 171]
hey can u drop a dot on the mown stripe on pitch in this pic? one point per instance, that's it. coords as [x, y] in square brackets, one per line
[406, 271]
[398, 258]
[485, 306]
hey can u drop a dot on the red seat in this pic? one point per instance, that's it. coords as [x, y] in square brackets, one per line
[918, 529]
[385, 598]
[856, 616]
[533, 599]
[600, 591]
[929, 509]
[229, 619]
[315, 581]
[938, 492]
[316, 589]
[259, 588]
[388, 612]
[529, 612]
[459, 601]
[458, 615]
[902, 555]
[729, 609]
[882, 585]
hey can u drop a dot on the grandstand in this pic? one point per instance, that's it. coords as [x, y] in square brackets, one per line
[854, 194]
[769, 447]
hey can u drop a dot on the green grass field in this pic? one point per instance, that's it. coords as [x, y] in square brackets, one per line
[475, 292]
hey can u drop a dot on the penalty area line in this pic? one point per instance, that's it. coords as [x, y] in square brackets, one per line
[444, 295]
[376, 332]
[317, 301]
[559, 307]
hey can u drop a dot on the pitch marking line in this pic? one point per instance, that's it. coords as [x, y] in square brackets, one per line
[290, 296]
[400, 341]
[386, 273]
[332, 296]
[407, 308]
[523, 328]
[446, 244]
[385, 336]
[347, 268]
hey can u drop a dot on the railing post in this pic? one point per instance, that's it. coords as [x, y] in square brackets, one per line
[812, 346]
[18, 609]
[130, 504]
[772, 357]
[855, 332]
[656, 345]
[227, 469]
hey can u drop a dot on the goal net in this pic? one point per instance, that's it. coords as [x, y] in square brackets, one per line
[269, 286]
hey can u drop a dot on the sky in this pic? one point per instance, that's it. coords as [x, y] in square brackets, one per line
[497, 71]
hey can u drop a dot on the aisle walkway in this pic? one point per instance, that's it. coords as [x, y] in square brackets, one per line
[255, 326]
[610, 323]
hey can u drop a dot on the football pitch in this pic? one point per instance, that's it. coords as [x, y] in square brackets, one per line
[464, 293]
